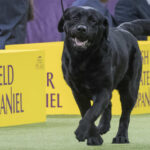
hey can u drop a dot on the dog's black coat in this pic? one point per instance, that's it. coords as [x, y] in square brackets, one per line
[110, 60]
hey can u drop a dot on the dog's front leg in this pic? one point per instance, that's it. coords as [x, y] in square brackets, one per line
[86, 126]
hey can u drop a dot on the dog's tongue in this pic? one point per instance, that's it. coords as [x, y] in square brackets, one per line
[80, 43]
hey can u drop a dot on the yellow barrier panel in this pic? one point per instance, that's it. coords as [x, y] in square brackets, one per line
[148, 38]
[58, 96]
[59, 99]
[143, 102]
[21, 87]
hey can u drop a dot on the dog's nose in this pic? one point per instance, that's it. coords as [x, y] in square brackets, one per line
[82, 28]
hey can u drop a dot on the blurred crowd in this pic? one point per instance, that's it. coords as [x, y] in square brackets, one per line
[34, 21]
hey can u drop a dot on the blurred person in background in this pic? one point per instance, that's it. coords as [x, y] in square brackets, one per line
[101, 6]
[129, 10]
[14, 15]
[43, 28]
[111, 6]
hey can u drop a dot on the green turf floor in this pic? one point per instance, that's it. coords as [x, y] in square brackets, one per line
[58, 134]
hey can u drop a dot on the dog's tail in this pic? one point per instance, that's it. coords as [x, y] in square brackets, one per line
[140, 27]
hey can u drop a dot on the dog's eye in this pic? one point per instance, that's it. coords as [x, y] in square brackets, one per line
[75, 18]
[93, 20]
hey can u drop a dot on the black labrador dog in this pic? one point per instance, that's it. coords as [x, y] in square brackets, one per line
[96, 60]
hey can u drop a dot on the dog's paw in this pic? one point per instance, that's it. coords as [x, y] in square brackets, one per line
[80, 135]
[82, 131]
[103, 128]
[120, 140]
[95, 141]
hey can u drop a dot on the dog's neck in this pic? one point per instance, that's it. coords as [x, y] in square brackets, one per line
[84, 58]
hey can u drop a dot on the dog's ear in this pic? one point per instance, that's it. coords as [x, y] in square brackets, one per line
[62, 20]
[61, 24]
[105, 28]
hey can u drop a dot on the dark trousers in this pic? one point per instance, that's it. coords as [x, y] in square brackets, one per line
[13, 20]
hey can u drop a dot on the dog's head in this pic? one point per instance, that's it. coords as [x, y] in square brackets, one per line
[84, 26]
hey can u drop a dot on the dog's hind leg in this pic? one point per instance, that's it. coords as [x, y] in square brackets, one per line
[104, 124]
[128, 90]
[127, 102]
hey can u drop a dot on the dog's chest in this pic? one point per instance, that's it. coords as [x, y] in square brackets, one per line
[82, 83]
[87, 75]
[86, 79]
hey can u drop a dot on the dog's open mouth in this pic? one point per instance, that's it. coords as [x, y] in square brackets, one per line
[79, 43]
